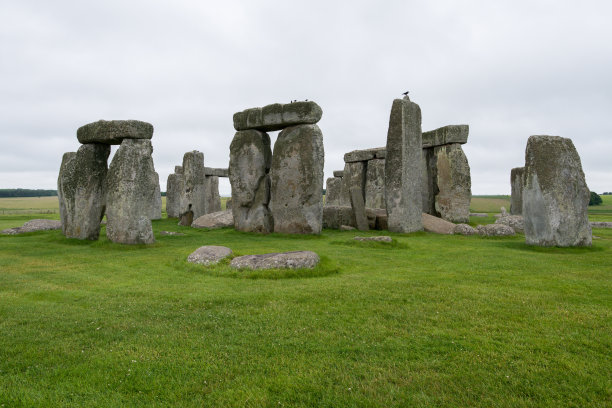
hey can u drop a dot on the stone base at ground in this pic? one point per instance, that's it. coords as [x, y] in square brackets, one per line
[437, 225]
[464, 229]
[209, 255]
[284, 260]
[336, 216]
[220, 219]
[494, 230]
[34, 225]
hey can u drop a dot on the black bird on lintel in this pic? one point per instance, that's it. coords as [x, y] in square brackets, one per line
[405, 93]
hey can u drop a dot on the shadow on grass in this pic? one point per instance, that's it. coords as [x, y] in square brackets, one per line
[325, 267]
[522, 246]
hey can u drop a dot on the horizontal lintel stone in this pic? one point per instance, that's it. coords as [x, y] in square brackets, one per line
[210, 171]
[364, 155]
[278, 116]
[338, 173]
[446, 135]
[113, 132]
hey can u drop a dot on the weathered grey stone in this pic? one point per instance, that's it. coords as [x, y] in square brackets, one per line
[446, 135]
[365, 155]
[375, 184]
[453, 182]
[429, 184]
[156, 204]
[333, 191]
[284, 260]
[81, 191]
[278, 116]
[250, 159]
[464, 229]
[494, 230]
[359, 209]
[346, 228]
[178, 169]
[601, 224]
[193, 197]
[514, 221]
[296, 175]
[228, 204]
[380, 238]
[130, 186]
[479, 215]
[210, 171]
[503, 212]
[34, 225]
[335, 216]
[174, 190]
[213, 199]
[555, 194]
[403, 167]
[338, 173]
[219, 219]
[114, 131]
[437, 225]
[354, 177]
[209, 255]
[516, 188]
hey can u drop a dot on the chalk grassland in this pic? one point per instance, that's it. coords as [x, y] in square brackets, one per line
[427, 321]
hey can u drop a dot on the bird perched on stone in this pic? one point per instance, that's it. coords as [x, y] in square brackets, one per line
[405, 93]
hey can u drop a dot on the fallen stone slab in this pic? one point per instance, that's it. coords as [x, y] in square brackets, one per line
[170, 233]
[494, 230]
[34, 225]
[601, 224]
[219, 219]
[278, 116]
[209, 255]
[283, 260]
[446, 135]
[464, 229]
[479, 215]
[382, 238]
[346, 228]
[338, 173]
[515, 221]
[113, 132]
[210, 171]
[437, 225]
[365, 155]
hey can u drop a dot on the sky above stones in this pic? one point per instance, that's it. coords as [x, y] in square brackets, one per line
[509, 69]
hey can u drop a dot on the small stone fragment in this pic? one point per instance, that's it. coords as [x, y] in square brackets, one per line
[219, 219]
[381, 238]
[515, 221]
[284, 260]
[209, 255]
[346, 228]
[464, 229]
[494, 230]
[34, 225]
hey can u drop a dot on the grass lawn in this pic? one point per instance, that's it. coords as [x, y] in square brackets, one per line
[428, 320]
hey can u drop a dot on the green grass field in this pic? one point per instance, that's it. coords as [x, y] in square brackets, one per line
[426, 321]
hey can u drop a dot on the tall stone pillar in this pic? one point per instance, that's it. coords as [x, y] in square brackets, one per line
[403, 167]
[516, 190]
[193, 197]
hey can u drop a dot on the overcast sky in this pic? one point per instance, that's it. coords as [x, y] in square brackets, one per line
[509, 69]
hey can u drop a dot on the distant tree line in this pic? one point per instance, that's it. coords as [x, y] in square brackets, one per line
[24, 192]
[607, 193]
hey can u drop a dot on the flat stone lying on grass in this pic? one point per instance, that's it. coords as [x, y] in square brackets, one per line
[437, 225]
[601, 224]
[495, 230]
[209, 255]
[515, 221]
[346, 228]
[219, 219]
[381, 238]
[162, 233]
[34, 225]
[479, 215]
[283, 260]
[464, 229]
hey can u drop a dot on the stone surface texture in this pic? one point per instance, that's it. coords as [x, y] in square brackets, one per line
[278, 116]
[34, 225]
[82, 192]
[381, 238]
[333, 191]
[220, 219]
[156, 204]
[209, 255]
[296, 176]
[446, 135]
[174, 189]
[113, 132]
[515, 221]
[375, 184]
[193, 196]
[516, 190]
[555, 194]
[453, 182]
[284, 260]
[403, 167]
[338, 173]
[213, 199]
[437, 225]
[210, 171]
[131, 184]
[354, 177]
[464, 229]
[358, 206]
[250, 160]
[365, 155]
[601, 224]
[494, 230]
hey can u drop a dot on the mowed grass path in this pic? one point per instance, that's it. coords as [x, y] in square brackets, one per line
[427, 321]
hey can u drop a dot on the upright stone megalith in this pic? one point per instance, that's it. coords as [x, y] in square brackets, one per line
[81, 191]
[555, 194]
[174, 189]
[296, 177]
[333, 191]
[403, 167]
[453, 182]
[517, 175]
[249, 165]
[213, 199]
[375, 184]
[131, 187]
[193, 198]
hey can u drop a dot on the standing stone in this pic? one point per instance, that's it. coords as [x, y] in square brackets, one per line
[81, 191]
[359, 209]
[516, 189]
[555, 195]
[454, 183]
[250, 159]
[174, 189]
[403, 167]
[333, 191]
[156, 204]
[213, 199]
[296, 176]
[430, 188]
[193, 197]
[354, 177]
[345, 199]
[375, 184]
[130, 185]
